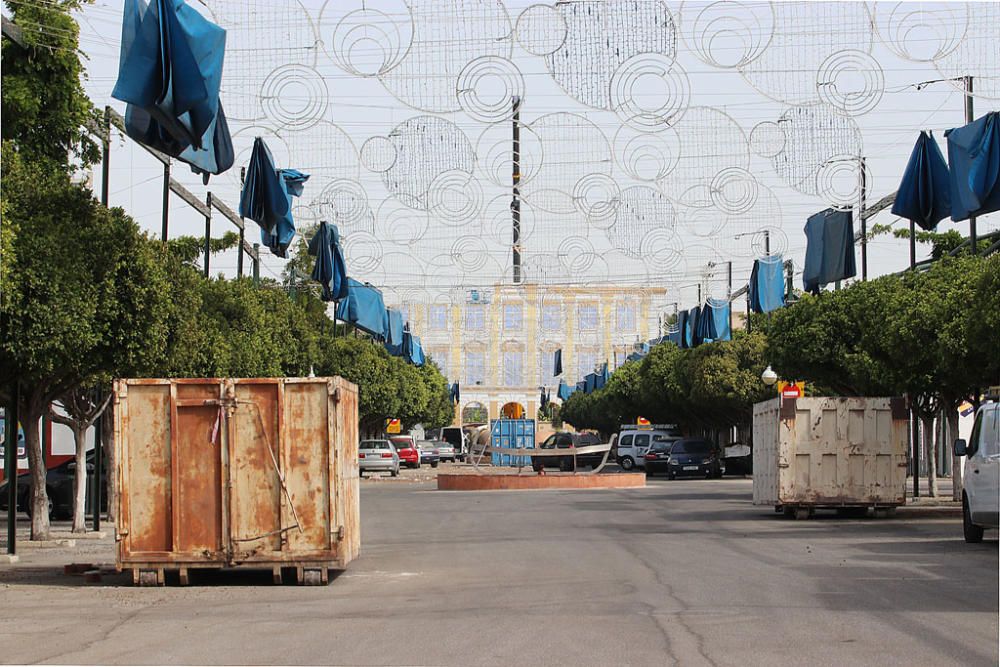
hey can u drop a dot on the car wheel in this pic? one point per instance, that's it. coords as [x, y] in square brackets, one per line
[434, 464]
[394, 472]
[671, 475]
[627, 463]
[973, 533]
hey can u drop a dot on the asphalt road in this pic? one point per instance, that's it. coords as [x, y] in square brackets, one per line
[684, 572]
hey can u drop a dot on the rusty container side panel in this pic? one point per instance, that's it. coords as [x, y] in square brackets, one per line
[345, 438]
[830, 452]
[255, 502]
[307, 451]
[142, 441]
[221, 472]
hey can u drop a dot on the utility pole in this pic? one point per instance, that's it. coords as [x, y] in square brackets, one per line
[239, 257]
[165, 222]
[256, 265]
[515, 204]
[969, 117]
[729, 294]
[862, 193]
[208, 232]
[767, 242]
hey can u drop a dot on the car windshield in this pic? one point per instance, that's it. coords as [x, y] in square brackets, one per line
[691, 447]
[402, 443]
[374, 444]
[660, 447]
[425, 444]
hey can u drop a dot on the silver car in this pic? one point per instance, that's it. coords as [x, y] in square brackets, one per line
[446, 452]
[377, 456]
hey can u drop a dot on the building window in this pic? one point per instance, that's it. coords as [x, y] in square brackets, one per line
[475, 367]
[586, 316]
[475, 318]
[439, 318]
[404, 310]
[585, 362]
[513, 366]
[512, 316]
[440, 357]
[546, 359]
[625, 317]
[551, 317]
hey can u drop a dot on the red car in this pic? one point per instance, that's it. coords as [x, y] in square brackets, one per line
[405, 446]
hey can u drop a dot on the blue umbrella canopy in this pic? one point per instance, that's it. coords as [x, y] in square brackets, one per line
[924, 194]
[363, 307]
[829, 249]
[280, 237]
[169, 73]
[413, 351]
[329, 270]
[456, 393]
[974, 156]
[264, 198]
[767, 289]
[564, 391]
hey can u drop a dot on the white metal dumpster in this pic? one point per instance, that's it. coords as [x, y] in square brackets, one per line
[830, 452]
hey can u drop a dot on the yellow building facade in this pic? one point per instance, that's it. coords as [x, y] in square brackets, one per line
[499, 343]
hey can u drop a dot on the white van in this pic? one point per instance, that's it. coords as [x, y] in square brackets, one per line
[981, 481]
[634, 441]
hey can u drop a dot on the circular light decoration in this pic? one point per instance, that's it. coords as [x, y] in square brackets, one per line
[294, 97]
[838, 181]
[344, 202]
[291, 39]
[663, 251]
[702, 222]
[596, 197]
[378, 154]
[541, 29]
[769, 237]
[727, 34]
[426, 146]
[601, 35]
[488, 88]
[447, 36]
[650, 91]
[364, 42]
[468, 253]
[977, 53]
[493, 151]
[738, 231]
[734, 190]
[921, 32]
[804, 36]
[399, 225]
[646, 156]
[711, 141]
[576, 254]
[325, 150]
[455, 197]
[814, 135]
[851, 82]
[767, 139]
[573, 147]
[362, 251]
[641, 209]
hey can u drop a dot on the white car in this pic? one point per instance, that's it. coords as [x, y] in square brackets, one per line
[981, 490]
[633, 443]
[377, 456]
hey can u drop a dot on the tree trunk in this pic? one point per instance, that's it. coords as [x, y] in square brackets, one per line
[80, 480]
[30, 416]
[930, 455]
[956, 461]
[107, 425]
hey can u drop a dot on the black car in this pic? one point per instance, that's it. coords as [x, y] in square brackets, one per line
[59, 483]
[688, 456]
[566, 441]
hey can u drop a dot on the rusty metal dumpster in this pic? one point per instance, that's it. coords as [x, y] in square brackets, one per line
[843, 453]
[255, 473]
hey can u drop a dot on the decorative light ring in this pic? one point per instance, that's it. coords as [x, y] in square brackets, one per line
[369, 31]
[630, 86]
[647, 156]
[483, 101]
[455, 197]
[596, 196]
[379, 154]
[734, 190]
[541, 30]
[834, 82]
[294, 97]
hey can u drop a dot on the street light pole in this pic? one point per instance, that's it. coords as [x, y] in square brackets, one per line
[969, 117]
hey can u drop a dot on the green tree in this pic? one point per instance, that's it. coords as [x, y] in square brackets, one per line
[86, 296]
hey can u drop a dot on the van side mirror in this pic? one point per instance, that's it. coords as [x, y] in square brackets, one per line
[961, 448]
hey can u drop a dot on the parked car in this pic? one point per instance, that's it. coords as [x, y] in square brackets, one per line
[59, 484]
[407, 450]
[429, 452]
[981, 482]
[634, 442]
[377, 456]
[685, 457]
[455, 436]
[446, 452]
[565, 440]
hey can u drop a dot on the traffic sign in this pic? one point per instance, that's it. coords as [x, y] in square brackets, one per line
[394, 426]
[791, 389]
